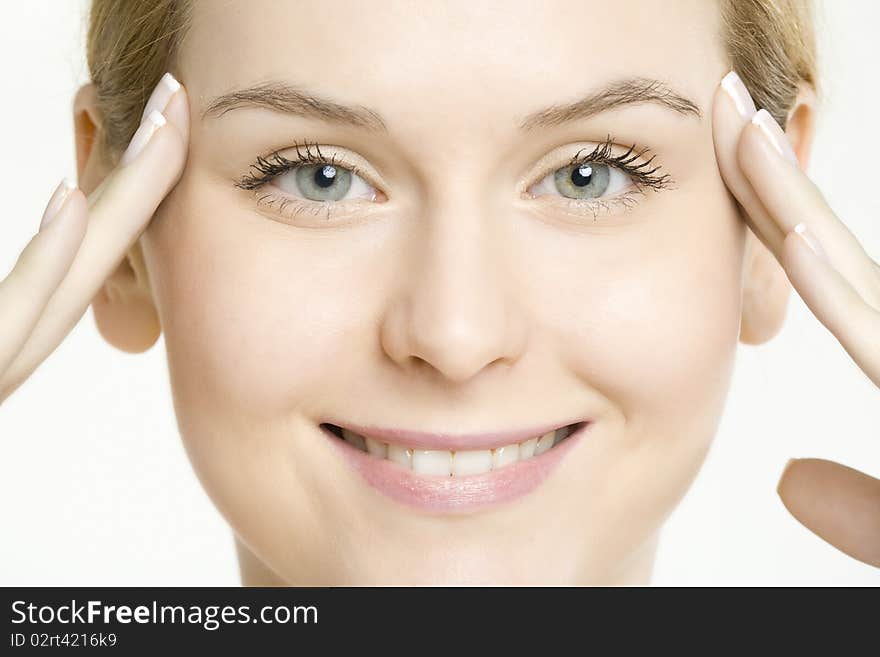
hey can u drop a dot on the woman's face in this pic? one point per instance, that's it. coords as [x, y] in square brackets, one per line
[468, 280]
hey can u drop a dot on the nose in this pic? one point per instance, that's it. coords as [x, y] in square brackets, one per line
[456, 311]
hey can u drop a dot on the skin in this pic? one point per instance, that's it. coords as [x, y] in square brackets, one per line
[449, 303]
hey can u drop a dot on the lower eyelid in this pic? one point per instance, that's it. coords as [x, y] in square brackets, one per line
[617, 172]
[284, 203]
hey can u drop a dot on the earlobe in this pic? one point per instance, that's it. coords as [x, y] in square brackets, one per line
[123, 308]
[124, 311]
[766, 291]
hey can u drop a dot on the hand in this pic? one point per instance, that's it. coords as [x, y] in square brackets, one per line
[82, 240]
[836, 279]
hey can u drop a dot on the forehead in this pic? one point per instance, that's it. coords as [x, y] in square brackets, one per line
[383, 47]
[459, 67]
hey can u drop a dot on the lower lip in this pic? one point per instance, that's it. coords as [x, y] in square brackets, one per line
[440, 494]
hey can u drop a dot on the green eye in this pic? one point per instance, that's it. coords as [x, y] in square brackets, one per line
[309, 177]
[318, 182]
[587, 180]
[584, 181]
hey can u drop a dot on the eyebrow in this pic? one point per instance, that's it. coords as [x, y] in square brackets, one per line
[629, 91]
[282, 97]
[288, 99]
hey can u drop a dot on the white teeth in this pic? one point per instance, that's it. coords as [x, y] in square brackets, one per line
[545, 442]
[458, 463]
[502, 456]
[527, 449]
[472, 462]
[377, 448]
[400, 455]
[432, 461]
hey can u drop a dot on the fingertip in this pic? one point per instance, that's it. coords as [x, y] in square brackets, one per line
[177, 113]
[727, 129]
[781, 483]
[75, 212]
[140, 185]
[790, 482]
[735, 90]
[67, 203]
[78, 202]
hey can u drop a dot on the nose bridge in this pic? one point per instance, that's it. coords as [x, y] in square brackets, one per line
[456, 313]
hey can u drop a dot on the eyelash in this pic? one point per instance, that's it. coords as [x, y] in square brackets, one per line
[266, 169]
[644, 176]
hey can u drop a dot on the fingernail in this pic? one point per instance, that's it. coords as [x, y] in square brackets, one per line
[808, 237]
[166, 88]
[775, 135]
[57, 201]
[742, 99]
[142, 136]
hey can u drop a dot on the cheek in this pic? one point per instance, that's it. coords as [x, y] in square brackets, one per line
[657, 317]
[247, 311]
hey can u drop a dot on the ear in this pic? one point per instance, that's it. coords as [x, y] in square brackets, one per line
[124, 310]
[766, 288]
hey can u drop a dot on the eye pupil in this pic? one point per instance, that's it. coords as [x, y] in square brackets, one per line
[326, 176]
[321, 182]
[583, 181]
[582, 175]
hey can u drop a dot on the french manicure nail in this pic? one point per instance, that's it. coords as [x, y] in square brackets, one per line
[774, 134]
[742, 99]
[142, 136]
[807, 235]
[57, 201]
[166, 88]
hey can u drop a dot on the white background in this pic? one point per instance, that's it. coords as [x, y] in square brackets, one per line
[96, 489]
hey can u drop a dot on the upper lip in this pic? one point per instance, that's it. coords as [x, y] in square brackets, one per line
[448, 441]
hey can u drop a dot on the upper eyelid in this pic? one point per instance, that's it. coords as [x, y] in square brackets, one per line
[602, 152]
[342, 158]
[549, 163]
[546, 164]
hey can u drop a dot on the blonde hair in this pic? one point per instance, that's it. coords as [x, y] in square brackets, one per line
[129, 47]
[770, 44]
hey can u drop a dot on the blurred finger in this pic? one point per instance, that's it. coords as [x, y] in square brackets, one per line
[39, 270]
[839, 504]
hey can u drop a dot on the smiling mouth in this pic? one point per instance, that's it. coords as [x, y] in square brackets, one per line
[455, 463]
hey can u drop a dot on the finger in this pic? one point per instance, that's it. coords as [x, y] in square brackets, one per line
[119, 211]
[837, 503]
[732, 110]
[834, 302]
[40, 268]
[791, 198]
[761, 170]
[824, 261]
